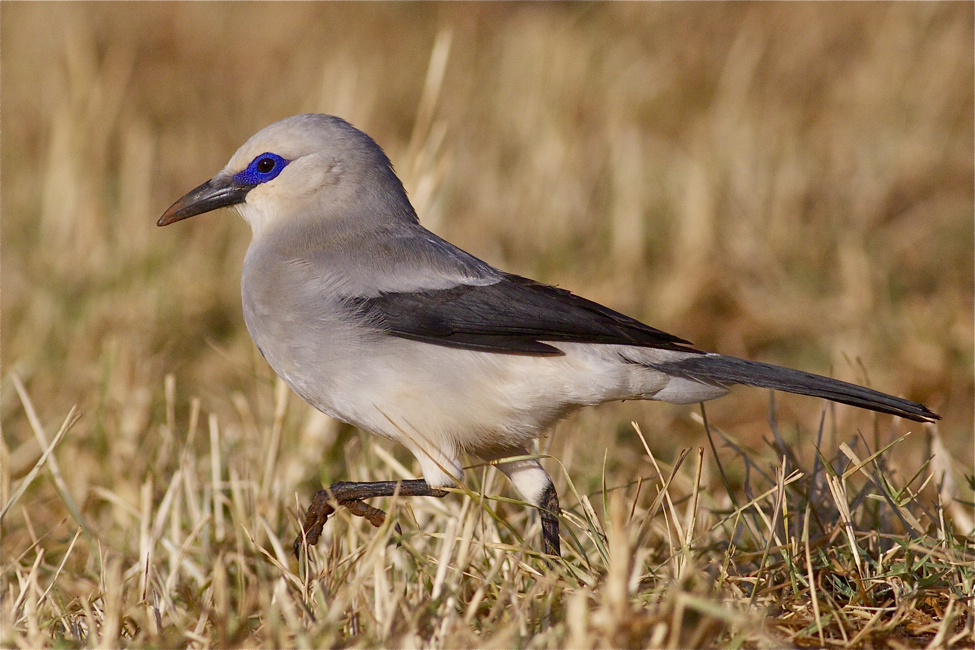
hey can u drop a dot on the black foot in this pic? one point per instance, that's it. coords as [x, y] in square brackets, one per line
[350, 496]
[549, 509]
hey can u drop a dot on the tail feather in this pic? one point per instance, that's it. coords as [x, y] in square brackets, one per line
[717, 368]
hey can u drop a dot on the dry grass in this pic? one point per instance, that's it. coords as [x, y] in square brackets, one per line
[791, 183]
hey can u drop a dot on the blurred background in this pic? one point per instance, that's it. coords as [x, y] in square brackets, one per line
[791, 183]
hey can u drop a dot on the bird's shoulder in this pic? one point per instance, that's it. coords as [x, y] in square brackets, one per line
[345, 261]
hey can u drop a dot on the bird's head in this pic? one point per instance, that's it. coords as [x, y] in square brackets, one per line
[308, 166]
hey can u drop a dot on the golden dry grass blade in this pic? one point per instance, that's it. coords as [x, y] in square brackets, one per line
[72, 417]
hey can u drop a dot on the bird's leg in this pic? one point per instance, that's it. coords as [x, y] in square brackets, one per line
[349, 496]
[535, 485]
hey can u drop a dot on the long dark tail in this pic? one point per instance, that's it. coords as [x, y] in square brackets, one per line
[717, 368]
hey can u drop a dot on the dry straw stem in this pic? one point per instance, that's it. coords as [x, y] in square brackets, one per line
[789, 182]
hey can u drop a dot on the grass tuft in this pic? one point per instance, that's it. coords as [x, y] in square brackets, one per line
[836, 553]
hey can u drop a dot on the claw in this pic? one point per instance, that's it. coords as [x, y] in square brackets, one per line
[374, 516]
[320, 510]
[350, 496]
[318, 513]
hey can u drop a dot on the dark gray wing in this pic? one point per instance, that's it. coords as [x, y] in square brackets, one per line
[512, 316]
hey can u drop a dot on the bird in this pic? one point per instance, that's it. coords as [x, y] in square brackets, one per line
[380, 323]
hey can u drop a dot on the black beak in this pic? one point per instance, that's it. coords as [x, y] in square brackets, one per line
[219, 192]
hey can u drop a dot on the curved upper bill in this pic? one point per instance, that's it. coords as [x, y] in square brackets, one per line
[218, 192]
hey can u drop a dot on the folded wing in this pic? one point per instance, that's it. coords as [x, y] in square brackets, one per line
[512, 316]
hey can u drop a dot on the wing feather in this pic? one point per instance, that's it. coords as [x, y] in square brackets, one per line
[513, 316]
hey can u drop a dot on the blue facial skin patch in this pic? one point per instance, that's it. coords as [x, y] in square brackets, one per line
[262, 169]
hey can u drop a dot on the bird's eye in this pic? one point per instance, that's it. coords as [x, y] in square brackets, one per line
[262, 169]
